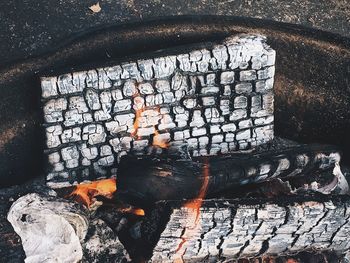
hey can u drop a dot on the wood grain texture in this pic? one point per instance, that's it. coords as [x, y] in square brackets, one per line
[183, 177]
[227, 230]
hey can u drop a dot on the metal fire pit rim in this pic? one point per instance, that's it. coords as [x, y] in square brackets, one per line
[166, 21]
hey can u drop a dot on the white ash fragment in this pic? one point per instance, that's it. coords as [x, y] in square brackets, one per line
[53, 110]
[146, 68]
[101, 243]
[227, 77]
[49, 87]
[94, 133]
[50, 230]
[92, 99]
[130, 71]
[52, 135]
[71, 135]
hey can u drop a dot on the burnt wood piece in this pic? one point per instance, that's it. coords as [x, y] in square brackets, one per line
[149, 179]
[231, 229]
[215, 97]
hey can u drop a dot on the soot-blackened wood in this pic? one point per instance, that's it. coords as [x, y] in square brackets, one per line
[229, 229]
[175, 178]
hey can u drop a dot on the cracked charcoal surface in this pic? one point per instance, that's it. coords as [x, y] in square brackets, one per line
[228, 230]
[215, 100]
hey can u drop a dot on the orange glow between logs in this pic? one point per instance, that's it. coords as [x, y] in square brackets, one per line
[194, 206]
[157, 141]
[136, 122]
[86, 192]
[133, 210]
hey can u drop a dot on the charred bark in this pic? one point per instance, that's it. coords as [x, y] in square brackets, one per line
[229, 229]
[177, 178]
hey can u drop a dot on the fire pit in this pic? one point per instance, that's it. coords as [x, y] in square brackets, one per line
[173, 157]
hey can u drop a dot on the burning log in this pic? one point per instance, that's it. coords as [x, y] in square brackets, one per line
[216, 98]
[231, 229]
[85, 193]
[177, 178]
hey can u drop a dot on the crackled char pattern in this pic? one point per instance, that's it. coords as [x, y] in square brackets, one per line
[228, 231]
[215, 100]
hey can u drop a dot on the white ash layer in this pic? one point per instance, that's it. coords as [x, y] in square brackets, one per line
[215, 100]
[50, 230]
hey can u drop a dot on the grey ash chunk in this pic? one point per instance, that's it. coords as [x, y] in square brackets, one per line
[71, 135]
[130, 71]
[71, 156]
[240, 102]
[94, 134]
[243, 87]
[53, 110]
[92, 99]
[52, 136]
[66, 85]
[247, 75]
[49, 87]
[227, 77]
[146, 68]
[122, 105]
[215, 99]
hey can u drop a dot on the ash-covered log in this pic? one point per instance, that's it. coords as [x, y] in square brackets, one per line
[224, 230]
[215, 97]
[153, 178]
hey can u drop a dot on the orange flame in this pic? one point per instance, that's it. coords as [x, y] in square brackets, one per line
[195, 205]
[86, 192]
[137, 120]
[157, 141]
[133, 210]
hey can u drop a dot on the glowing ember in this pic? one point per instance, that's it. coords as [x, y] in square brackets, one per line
[194, 207]
[133, 210]
[137, 121]
[157, 141]
[196, 203]
[86, 192]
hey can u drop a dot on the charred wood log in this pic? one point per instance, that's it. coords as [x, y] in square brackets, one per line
[177, 178]
[161, 99]
[229, 229]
